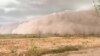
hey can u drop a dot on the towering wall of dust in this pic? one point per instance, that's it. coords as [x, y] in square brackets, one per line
[67, 22]
[7, 29]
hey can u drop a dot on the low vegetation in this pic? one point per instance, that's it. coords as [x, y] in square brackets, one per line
[33, 45]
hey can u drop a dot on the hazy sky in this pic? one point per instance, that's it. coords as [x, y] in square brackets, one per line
[18, 10]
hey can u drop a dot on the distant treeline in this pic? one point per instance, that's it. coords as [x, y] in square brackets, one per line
[5, 36]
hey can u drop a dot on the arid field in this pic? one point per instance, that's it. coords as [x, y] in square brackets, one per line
[29, 45]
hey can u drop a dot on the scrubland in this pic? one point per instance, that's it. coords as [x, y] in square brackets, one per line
[34, 45]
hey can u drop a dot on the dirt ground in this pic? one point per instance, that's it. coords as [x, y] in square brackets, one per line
[89, 52]
[86, 52]
[22, 45]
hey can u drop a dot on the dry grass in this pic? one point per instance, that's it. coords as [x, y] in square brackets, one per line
[40, 46]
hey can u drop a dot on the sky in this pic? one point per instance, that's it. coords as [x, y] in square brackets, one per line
[12, 11]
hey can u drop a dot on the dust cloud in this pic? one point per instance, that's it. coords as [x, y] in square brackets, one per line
[66, 22]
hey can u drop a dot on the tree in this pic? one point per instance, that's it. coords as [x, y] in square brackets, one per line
[97, 6]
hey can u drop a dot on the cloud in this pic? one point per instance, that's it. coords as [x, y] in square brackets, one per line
[6, 2]
[17, 9]
[48, 6]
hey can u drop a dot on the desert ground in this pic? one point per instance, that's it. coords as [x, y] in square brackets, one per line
[29, 45]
